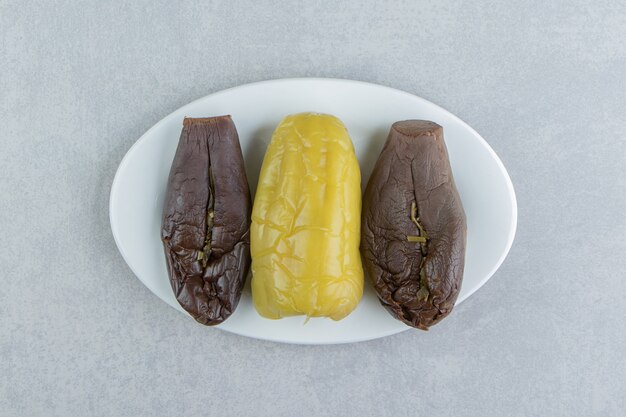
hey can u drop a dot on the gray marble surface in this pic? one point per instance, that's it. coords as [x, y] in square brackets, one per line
[543, 82]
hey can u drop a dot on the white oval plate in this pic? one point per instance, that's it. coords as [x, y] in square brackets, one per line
[368, 110]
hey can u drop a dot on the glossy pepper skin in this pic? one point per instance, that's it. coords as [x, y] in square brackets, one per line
[306, 222]
[206, 220]
[413, 226]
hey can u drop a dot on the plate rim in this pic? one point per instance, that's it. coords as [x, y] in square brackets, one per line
[503, 171]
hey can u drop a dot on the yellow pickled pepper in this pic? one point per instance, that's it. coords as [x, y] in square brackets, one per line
[306, 217]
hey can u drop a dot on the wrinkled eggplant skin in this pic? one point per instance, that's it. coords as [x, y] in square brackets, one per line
[207, 173]
[413, 168]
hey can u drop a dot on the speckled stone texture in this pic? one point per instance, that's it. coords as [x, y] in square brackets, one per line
[543, 82]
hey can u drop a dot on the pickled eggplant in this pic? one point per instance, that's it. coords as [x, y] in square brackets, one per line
[305, 229]
[206, 220]
[414, 226]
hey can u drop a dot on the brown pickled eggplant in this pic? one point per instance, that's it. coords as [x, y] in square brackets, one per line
[206, 220]
[413, 226]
